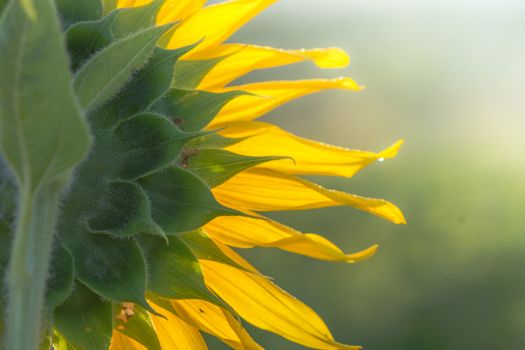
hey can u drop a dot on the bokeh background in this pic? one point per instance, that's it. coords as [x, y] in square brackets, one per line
[448, 77]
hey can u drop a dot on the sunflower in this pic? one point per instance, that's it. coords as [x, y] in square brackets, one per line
[145, 167]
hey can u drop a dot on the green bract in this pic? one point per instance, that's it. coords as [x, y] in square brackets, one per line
[103, 158]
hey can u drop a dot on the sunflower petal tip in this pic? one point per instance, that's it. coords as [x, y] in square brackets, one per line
[333, 57]
[362, 255]
[391, 151]
[347, 83]
[400, 220]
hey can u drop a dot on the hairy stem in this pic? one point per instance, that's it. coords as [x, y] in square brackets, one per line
[28, 267]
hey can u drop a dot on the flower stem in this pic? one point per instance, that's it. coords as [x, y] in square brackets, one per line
[29, 267]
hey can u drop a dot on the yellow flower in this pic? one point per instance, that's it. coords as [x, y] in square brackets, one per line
[137, 166]
[271, 186]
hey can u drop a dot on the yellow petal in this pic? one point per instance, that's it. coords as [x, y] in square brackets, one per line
[175, 334]
[173, 10]
[215, 23]
[125, 3]
[215, 321]
[270, 95]
[241, 59]
[139, 3]
[121, 342]
[245, 232]
[310, 157]
[268, 307]
[260, 189]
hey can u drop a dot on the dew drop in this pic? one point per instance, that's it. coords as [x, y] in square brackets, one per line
[381, 159]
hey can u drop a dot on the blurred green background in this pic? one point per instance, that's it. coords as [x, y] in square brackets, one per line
[448, 77]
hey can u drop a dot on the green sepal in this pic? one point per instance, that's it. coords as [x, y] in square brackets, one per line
[114, 268]
[29, 9]
[46, 343]
[74, 11]
[84, 39]
[203, 247]
[137, 326]
[109, 70]
[108, 6]
[174, 272]
[213, 140]
[193, 109]
[149, 142]
[189, 74]
[125, 212]
[50, 136]
[161, 302]
[149, 84]
[84, 320]
[181, 202]
[59, 342]
[216, 166]
[131, 20]
[61, 278]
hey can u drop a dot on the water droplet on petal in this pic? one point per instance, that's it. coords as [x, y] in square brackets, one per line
[381, 159]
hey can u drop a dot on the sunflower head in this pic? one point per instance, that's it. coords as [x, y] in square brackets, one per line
[125, 112]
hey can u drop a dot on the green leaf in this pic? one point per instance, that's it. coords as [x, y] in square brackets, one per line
[189, 74]
[42, 133]
[6, 236]
[60, 281]
[205, 248]
[84, 39]
[149, 142]
[8, 196]
[180, 201]
[84, 320]
[131, 20]
[138, 326]
[2, 5]
[193, 110]
[174, 272]
[215, 166]
[5, 248]
[73, 11]
[5, 245]
[114, 268]
[110, 69]
[148, 84]
[125, 212]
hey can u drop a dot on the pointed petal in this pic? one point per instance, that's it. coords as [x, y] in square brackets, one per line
[216, 23]
[245, 232]
[175, 334]
[240, 59]
[268, 307]
[121, 342]
[260, 189]
[310, 157]
[267, 96]
[215, 321]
